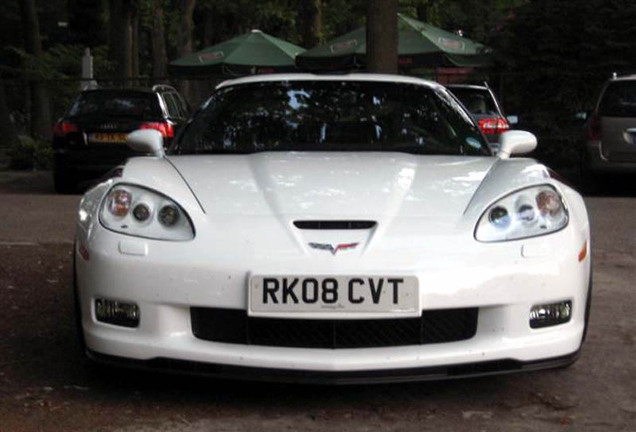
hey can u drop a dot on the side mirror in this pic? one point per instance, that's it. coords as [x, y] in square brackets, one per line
[516, 142]
[146, 141]
[581, 116]
[513, 119]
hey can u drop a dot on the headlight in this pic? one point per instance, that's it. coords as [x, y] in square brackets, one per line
[140, 212]
[526, 213]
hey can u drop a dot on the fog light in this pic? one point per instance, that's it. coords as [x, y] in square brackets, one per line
[550, 314]
[117, 313]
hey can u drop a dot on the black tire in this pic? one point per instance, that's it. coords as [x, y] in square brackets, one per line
[588, 305]
[79, 329]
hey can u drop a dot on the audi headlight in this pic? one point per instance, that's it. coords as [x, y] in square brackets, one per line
[526, 213]
[140, 212]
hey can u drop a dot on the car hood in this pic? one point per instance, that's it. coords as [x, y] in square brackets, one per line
[334, 185]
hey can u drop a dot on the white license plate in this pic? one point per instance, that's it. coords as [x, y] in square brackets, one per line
[333, 295]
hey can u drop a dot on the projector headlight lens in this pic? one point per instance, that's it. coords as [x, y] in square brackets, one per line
[169, 215]
[141, 212]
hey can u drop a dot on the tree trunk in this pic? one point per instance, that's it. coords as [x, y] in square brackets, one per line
[7, 129]
[40, 109]
[382, 36]
[121, 38]
[31, 27]
[184, 45]
[184, 42]
[112, 30]
[158, 39]
[309, 22]
[135, 43]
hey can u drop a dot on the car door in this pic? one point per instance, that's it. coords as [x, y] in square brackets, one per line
[617, 118]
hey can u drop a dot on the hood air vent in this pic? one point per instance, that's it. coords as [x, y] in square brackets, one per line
[335, 225]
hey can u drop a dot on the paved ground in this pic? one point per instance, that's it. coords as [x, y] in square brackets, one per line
[46, 385]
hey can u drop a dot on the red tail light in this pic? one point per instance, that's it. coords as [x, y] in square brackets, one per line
[594, 128]
[493, 126]
[166, 129]
[62, 128]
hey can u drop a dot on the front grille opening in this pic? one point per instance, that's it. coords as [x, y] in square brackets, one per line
[236, 327]
[335, 225]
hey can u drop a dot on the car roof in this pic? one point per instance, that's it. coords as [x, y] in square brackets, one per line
[467, 86]
[153, 89]
[624, 78]
[330, 77]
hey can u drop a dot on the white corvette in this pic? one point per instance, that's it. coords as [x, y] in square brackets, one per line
[333, 229]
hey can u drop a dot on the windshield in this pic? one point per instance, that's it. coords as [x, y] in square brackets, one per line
[116, 103]
[331, 116]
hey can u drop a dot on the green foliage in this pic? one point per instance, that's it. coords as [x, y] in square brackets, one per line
[63, 62]
[60, 68]
[475, 18]
[219, 20]
[342, 16]
[29, 153]
[87, 22]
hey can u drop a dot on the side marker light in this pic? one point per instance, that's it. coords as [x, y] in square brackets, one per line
[583, 252]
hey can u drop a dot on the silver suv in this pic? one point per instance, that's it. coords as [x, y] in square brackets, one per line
[611, 130]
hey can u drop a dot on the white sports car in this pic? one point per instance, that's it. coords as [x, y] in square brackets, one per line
[333, 229]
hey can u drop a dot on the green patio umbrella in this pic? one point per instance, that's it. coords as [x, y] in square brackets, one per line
[251, 53]
[419, 45]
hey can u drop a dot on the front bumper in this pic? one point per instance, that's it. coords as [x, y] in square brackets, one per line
[166, 279]
[467, 370]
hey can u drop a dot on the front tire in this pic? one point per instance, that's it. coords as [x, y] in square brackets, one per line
[588, 306]
[79, 329]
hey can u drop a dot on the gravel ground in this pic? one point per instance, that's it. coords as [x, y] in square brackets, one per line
[47, 385]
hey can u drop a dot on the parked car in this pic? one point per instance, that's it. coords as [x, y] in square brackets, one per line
[610, 147]
[90, 139]
[484, 106]
[336, 229]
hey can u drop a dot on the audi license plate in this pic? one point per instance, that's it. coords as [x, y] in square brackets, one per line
[331, 295]
[108, 137]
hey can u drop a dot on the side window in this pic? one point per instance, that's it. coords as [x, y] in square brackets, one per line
[171, 103]
[185, 108]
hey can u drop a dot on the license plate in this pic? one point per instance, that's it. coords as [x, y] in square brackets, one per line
[333, 295]
[108, 137]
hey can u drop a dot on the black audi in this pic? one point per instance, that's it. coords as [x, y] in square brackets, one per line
[90, 139]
